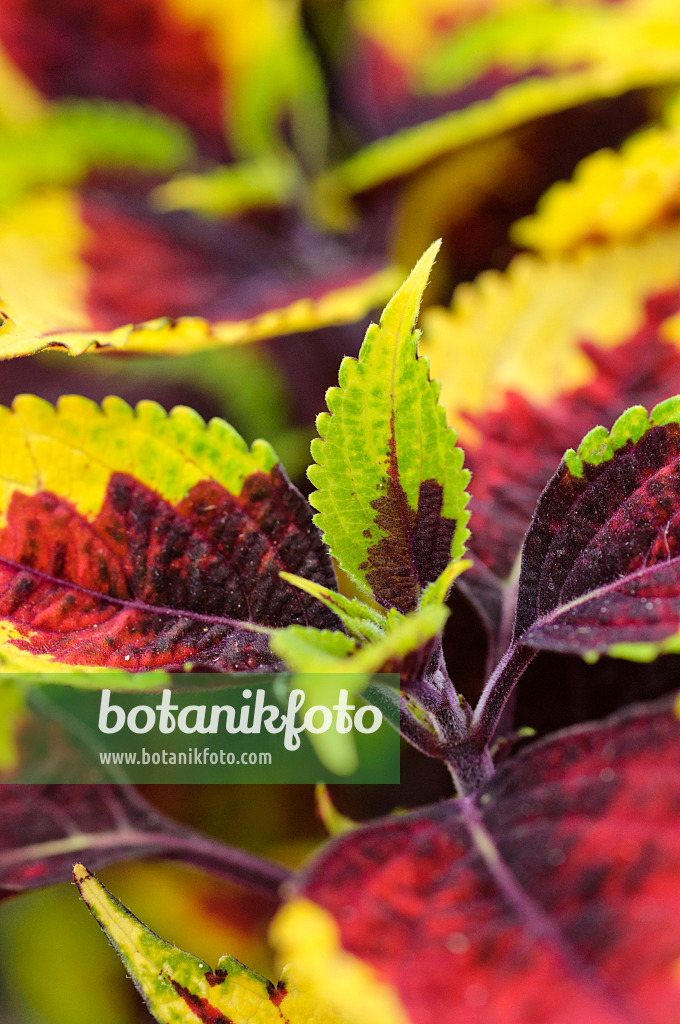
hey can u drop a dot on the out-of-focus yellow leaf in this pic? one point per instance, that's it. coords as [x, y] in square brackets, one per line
[307, 938]
[530, 60]
[522, 330]
[613, 195]
[45, 283]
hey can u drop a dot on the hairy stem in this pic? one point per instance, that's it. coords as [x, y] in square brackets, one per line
[416, 733]
[470, 767]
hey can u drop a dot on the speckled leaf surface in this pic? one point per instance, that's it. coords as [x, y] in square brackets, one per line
[552, 897]
[600, 565]
[140, 540]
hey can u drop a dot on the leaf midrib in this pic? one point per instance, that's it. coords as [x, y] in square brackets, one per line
[136, 605]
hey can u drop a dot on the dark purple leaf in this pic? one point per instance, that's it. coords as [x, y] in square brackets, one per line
[45, 829]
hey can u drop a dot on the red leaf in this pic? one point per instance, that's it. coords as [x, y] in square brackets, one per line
[600, 564]
[551, 898]
[146, 584]
[136, 52]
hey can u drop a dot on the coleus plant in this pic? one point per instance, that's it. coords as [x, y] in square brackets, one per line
[546, 890]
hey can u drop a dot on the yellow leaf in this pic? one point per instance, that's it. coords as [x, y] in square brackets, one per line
[522, 330]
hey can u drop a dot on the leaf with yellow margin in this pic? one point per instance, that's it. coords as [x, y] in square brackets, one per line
[390, 484]
[75, 268]
[138, 540]
[179, 988]
[529, 359]
[505, 69]
[613, 195]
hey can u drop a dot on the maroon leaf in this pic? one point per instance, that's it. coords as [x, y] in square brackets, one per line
[600, 566]
[522, 441]
[45, 829]
[551, 898]
[600, 562]
[143, 264]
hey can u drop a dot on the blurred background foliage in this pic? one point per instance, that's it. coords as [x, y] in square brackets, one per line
[220, 160]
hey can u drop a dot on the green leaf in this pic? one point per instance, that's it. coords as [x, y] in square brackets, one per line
[386, 698]
[11, 715]
[75, 136]
[306, 649]
[435, 593]
[361, 620]
[390, 480]
[227, 191]
[408, 638]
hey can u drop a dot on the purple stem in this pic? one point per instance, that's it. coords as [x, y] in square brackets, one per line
[470, 767]
[229, 863]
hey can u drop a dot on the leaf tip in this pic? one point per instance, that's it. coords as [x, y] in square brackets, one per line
[80, 874]
[405, 303]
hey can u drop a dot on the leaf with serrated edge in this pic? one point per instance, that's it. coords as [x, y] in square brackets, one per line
[551, 897]
[613, 195]
[529, 359]
[179, 988]
[601, 562]
[139, 539]
[389, 478]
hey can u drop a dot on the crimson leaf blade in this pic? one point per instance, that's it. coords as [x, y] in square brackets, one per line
[552, 897]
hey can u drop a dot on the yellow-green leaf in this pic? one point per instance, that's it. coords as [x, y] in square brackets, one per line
[179, 988]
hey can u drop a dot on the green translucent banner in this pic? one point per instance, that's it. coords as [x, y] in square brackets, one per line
[203, 728]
